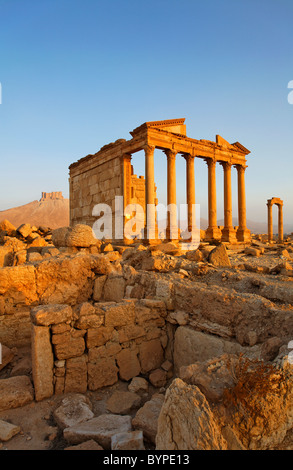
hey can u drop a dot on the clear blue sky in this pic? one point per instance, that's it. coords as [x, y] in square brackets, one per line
[78, 74]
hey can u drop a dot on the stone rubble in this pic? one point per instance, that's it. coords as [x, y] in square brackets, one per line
[137, 347]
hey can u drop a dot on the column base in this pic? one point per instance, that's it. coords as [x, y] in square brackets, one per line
[213, 233]
[243, 235]
[229, 235]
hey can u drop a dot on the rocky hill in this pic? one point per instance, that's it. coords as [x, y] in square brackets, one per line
[52, 210]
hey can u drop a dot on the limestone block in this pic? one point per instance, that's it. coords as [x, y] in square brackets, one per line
[6, 257]
[8, 227]
[87, 445]
[8, 430]
[128, 441]
[138, 384]
[123, 402]
[98, 287]
[65, 280]
[128, 363]
[76, 375]
[120, 314]
[6, 356]
[88, 316]
[74, 409]
[101, 429]
[114, 289]
[146, 419]
[20, 281]
[158, 378]
[187, 422]
[24, 230]
[98, 336]
[69, 347]
[194, 346]
[102, 374]
[42, 362]
[219, 256]
[129, 332]
[15, 392]
[151, 355]
[45, 315]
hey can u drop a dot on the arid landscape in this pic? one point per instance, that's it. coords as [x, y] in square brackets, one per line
[108, 346]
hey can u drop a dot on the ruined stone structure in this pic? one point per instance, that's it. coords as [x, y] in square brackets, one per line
[279, 203]
[53, 195]
[100, 177]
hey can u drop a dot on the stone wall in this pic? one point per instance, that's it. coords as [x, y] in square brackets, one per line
[98, 183]
[94, 344]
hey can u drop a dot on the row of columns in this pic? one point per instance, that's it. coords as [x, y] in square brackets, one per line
[213, 232]
[270, 204]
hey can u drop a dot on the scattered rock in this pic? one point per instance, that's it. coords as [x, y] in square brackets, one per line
[128, 441]
[158, 378]
[101, 429]
[123, 402]
[187, 422]
[146, 419]
[15, 392]
[6, 356]
[87, 445]
[8, 430]
[138, 384]
[219, 256]
[74, 409]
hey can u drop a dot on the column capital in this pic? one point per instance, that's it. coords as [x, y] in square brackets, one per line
[210, 161]
[149, 149]
[126, 156]
[226, 165]
[188, 156]
[170, 153]
[240, 166]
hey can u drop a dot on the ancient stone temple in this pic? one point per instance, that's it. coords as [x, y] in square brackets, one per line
[100, 177]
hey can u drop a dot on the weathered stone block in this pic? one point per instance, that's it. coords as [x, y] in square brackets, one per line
[151, 355]
[99, 336]
[128, 363]
[102, 374]
[45, 315]
[120, 314]
[114, 289]
[42, 362]
[15, 392]
[72, 347]
[98, 287]
[76, 374]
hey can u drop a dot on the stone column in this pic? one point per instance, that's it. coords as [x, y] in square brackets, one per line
[228, 233]
[212, 232]
[126, 159]
[150, 192]
[280, 223]
[270, 221]
[190, 189]
[243, 234]
[172, 228]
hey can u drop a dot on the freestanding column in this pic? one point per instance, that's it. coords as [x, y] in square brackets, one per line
[190, 189]
[213, 232]
[150, 191]
[172, 228]
[228, 233]
[243, 234]
[280, 223]
[270, 221]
